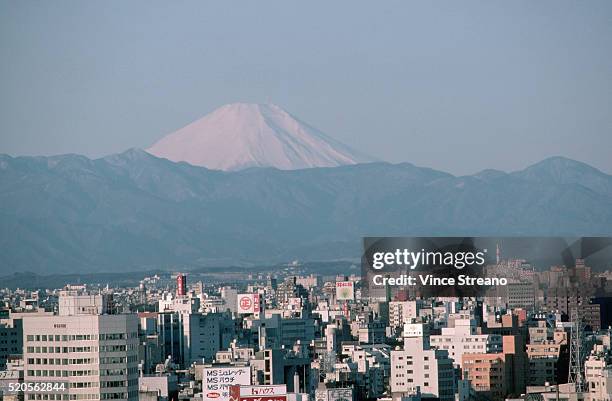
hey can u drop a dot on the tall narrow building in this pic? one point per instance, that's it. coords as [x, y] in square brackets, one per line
[418, 368]
[181, 285]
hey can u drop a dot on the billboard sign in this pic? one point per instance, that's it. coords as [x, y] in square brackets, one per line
[345, 291]
[216, 382]
[335, 394]
[273, 392]
[274, 389]
[248, 303]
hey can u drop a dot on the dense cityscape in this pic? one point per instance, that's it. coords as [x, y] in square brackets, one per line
[297, 336]
[292, 201]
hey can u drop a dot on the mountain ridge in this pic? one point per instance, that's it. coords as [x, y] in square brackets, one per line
[135, 211]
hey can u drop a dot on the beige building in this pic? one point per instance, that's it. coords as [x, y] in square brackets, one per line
[92, 356]
[419, 368]
[598, 376]
[466, 337]
[401, 312]
[496, 375]
[543, 359]
[488, 374]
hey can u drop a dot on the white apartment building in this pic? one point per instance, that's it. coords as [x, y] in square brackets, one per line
[598, 376]
[181, 305]
[420, 368]
[373, 362]
[465, 337]
[77, 303]
[401, 312]
[94, 357]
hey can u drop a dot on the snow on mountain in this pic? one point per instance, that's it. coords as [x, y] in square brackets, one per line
[242, 135]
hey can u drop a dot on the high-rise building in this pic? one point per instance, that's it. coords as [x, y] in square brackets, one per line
[11, 340]
[488, 374]
[419, 368]
[188, 335]
[495, 375]
[95, 356]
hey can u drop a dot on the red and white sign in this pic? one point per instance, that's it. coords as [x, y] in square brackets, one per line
[248, 303]
[181, 284]
[275, 392]
[345, 291]
[273, 389]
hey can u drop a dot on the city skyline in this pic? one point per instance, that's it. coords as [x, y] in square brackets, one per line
[296, 335]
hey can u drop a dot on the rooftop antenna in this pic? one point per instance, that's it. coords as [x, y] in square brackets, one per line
[576, 352]
[498, 253]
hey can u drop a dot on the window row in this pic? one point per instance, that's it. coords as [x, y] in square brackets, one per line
[62, 361]
[60, 350]
[60, 373]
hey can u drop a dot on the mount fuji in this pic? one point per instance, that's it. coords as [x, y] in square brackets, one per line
[243, 135]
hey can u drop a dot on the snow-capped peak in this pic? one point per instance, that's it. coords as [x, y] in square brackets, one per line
[242, 135]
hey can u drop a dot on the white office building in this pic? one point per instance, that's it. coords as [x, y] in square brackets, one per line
[598, 376]
[401, 312]
[465, 337]
[421, 369]
[93, 356]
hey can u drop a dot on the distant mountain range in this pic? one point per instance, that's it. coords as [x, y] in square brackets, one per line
[134, 211]
[242, 135]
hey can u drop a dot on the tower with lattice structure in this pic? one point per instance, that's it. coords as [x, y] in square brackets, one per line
[577, 352]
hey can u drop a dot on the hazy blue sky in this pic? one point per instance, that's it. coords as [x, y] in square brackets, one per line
[458, 86]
